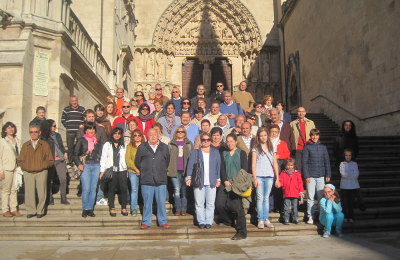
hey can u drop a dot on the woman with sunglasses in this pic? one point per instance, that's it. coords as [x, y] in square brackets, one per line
[136, 139]
[113, 155]
[87, 153]
[145, 121]
[205, 191]
[186, 106]
[179, 148]
[60, 155]
[134, 107]
[139, 96]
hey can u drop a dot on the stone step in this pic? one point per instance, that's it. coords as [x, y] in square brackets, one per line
[380, 192]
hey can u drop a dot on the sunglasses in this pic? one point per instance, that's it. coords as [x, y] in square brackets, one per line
[139, 95]
[136, 135]
[186, 103]
[145, 108]
[220, 85]
[180, 132]
[33, 132]
[118, 133]
[206, 140]
[252, 118]
[54, 125]
[175, 92]
[126, 106]
[158, 89]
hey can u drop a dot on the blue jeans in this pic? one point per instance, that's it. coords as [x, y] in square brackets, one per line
[263, 190]
[331, 219]
[134, 182]
[89, 179]
[148, 193]
[316, 185]
[205, 195]
[180, 199]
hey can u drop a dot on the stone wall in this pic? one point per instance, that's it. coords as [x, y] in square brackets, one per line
[349, 58]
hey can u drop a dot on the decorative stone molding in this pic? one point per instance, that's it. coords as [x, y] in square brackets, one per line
[212, 27]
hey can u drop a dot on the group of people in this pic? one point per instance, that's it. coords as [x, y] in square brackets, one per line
[221, 146]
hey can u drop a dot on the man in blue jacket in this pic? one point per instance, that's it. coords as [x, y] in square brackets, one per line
[152, 159]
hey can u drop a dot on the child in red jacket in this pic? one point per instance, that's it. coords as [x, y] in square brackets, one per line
[292, 186]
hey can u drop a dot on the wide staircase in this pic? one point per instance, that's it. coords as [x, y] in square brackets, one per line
[379, 178]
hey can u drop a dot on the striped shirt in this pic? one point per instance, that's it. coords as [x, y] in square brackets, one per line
[72, 118]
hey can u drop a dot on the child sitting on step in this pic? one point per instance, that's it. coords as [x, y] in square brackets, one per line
[331, 211]
[292, 186]
[349, 186]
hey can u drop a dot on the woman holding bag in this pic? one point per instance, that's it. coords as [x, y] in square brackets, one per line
[205, 191]
[113, 156]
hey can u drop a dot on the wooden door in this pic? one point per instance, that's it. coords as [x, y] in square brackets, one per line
[192, 75]
[221, 71]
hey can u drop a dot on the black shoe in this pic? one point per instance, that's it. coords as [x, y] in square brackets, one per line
[64, 200]
[51, 200]
[40, 215]
[295, 222]
[201, 226]
[124, 213]
[84, 213]
[114, 214]
[91, 213]
[208, 226]
[224, 224]
[237, 236]
[30, 215]
[285, 222]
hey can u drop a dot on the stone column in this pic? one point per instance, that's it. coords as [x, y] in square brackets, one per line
[207, 73]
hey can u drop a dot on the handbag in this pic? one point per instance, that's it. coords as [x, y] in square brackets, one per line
[196, 173]
[108, 174]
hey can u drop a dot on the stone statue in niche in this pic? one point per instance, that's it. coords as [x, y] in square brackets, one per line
[169, 67]
[254, 67]
[207, 75]
[265, 69]
[160, 66]
[139, 70]
[150, 66]
[246, 66]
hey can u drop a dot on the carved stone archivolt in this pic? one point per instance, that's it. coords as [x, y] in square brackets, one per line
[207, 27]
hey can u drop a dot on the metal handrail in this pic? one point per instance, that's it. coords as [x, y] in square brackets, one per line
[347, 111]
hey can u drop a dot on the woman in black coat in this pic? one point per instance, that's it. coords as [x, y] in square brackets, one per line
[347, 139]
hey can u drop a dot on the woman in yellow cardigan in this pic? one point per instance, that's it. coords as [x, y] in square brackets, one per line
[137, 139]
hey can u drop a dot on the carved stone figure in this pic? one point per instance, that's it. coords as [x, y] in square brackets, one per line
[139, 68]
[169, 67]
[246, 66]
[207, 76]
[150, 66]
[265, 69]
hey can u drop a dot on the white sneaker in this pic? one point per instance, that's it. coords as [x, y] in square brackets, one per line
[102, 202]
[310, 221]
[260, 224]
[268, 224]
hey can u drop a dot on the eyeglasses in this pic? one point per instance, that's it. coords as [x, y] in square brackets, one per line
[206, 140]
[126, 106]
[180, 132]
[118, 133]
[138, 95]
[186, 103]
[175, 91]
[158, 89]
[136, 135]
[145, 108]
[33, 132]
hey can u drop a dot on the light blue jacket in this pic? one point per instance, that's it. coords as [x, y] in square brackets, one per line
[328, 207]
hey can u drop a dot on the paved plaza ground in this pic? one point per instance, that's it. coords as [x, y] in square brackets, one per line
[364, 246]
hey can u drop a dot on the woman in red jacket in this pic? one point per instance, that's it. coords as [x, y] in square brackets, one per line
[145, 121]
[292, 186]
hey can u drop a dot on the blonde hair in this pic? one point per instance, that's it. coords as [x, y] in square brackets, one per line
[179, 128]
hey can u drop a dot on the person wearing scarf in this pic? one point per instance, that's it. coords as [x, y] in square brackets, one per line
[87, 154]
[170, 120]
[101, 118]
[145, 121]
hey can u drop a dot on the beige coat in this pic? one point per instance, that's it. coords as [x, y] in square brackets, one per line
[309, 125]
[8, 155]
